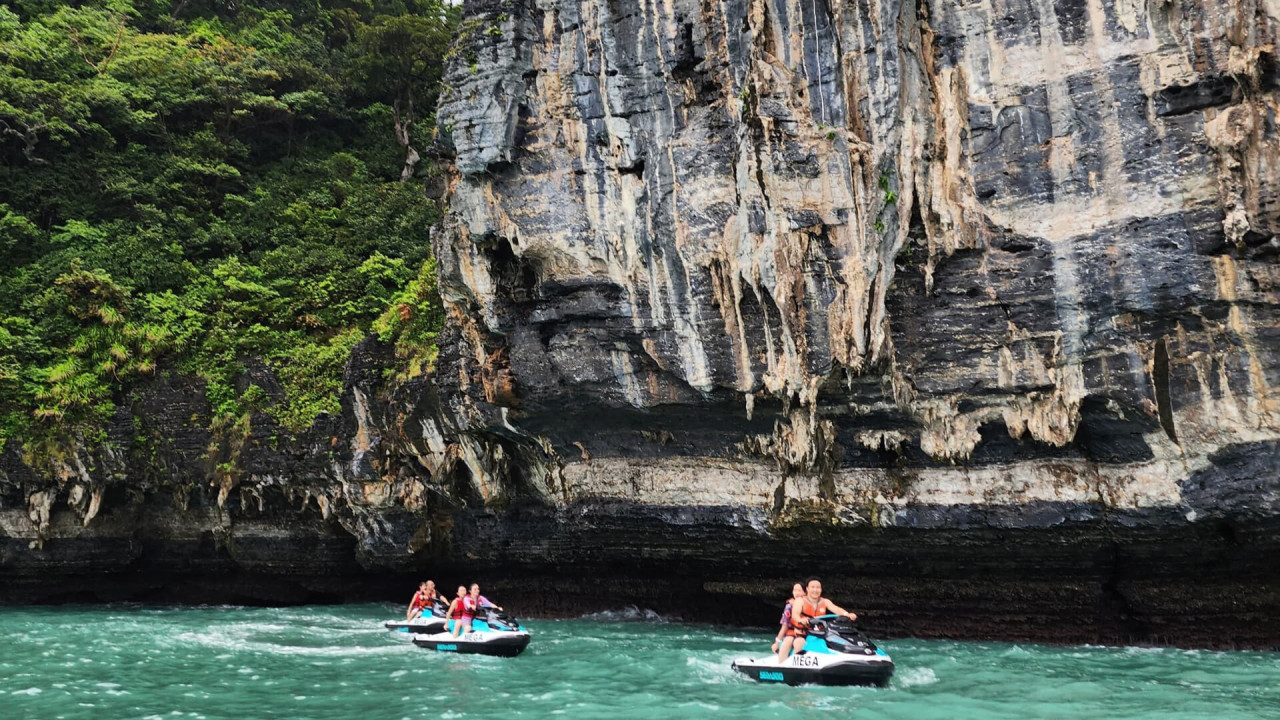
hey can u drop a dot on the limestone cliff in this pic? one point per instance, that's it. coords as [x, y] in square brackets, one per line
[971, 306]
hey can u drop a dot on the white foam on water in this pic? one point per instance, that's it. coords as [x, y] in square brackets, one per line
[914, 677]
[234, 641]
[1135, 649]
[630, 612]
[743, 640]
[709, 671]
[28, 691]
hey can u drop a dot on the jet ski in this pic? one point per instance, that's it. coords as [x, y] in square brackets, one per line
[835, 653]
[432, 622]
[492, 633]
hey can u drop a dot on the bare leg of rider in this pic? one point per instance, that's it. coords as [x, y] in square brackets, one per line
[784, 649]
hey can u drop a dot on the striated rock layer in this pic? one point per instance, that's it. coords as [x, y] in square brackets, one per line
[970, 307]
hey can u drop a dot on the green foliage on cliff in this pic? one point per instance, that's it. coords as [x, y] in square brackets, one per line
[188, 184]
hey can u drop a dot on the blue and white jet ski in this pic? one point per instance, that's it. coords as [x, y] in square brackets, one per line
[835, 653]
[492, 633]
[427, 622]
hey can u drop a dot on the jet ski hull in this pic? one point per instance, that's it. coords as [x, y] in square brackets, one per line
[496, 643]
[835, 653]
[815, 670]
[417, 625]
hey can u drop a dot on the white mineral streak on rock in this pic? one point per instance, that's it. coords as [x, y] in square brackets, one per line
[362, 440]
[486, 463]
[882, 439]
[1244, 413]
[375, 493]
[1137, 485]
[95, 502]
[325, 505]
[673, 482]
[742, 182]
[947, 433]
[39, 505]
[689, 481]
[437, 447]
[626, 375]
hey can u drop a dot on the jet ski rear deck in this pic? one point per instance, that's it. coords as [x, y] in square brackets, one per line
[425, 625]
[430, 621]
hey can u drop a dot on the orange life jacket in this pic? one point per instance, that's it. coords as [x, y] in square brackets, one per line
[422, 600]
[813, 610]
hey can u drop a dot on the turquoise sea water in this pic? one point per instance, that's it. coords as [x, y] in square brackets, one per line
[338, 662]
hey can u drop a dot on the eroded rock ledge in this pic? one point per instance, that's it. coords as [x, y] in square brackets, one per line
[971, 307]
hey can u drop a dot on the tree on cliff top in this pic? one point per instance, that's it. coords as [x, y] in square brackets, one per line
[224, 180]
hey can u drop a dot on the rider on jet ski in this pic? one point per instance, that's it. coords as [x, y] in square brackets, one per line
[814, 604]
[464, 608]
[802, 610]
[786, 635]
[421, 601]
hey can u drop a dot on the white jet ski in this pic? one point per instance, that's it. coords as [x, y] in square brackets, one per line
[835, 653]
[427, 622]
[492, 633]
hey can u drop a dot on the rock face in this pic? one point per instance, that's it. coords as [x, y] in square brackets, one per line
[973, 308]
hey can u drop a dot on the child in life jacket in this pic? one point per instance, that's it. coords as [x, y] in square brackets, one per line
[782, 644]
[455, 613]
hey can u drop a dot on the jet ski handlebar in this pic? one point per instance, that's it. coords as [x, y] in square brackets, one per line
[838, 623]
[439, 607]
[494, 616]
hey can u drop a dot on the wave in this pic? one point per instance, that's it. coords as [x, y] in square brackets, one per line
[915, 677]
[237, 642]
[709, 671]
[630, 612]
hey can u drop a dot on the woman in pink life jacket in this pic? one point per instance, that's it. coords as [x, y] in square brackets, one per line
[471, 604]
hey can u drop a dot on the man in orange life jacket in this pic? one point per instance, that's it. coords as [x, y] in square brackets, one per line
[421, 601]
[810, 606]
